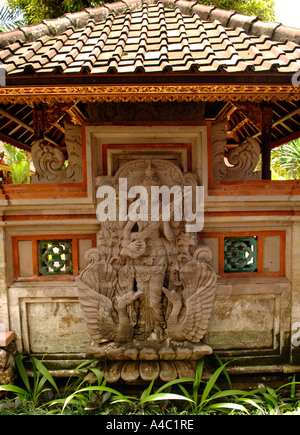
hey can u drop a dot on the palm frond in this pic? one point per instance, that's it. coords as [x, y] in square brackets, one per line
[10, 19]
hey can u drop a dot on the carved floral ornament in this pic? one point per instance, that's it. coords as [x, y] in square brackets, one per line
[148, 290]
[148, 93]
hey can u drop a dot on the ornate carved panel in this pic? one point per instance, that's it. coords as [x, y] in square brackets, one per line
[157, 111]
[148, 290]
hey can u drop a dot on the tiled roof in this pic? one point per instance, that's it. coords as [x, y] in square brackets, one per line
[151, 36]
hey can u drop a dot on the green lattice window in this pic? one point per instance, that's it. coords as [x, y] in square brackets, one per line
[55, 257]
[240, 254]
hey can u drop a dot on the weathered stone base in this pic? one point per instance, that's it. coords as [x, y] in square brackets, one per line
[147, 371]
[148, 351]
[133, 364]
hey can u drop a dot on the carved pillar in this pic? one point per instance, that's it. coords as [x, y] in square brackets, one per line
[39, 121]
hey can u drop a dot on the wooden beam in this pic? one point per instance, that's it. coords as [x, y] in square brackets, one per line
[14, 142]
[286, 139]
[23, 124]
[286, 117]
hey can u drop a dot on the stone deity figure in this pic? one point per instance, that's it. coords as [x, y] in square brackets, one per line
[148, 291]
[148, 251]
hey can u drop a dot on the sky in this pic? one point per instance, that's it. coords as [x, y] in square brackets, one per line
[288, 12]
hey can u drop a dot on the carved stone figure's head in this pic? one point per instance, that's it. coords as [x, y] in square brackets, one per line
[150, 178]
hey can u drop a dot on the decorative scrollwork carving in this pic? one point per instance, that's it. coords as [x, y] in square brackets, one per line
[242, 161]
[49, 160]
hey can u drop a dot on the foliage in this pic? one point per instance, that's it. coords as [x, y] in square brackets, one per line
[41, 394]
[10, 19]
[286, 161]
[31, 390]
[34, 11]
[264, 9]
[19, 163]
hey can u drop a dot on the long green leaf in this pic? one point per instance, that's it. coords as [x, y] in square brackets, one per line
[23, 372]
[175, 382]
[14, 389]
[232, 406]
[252, 402]
[199, 369]
[98, 375]
[45, 372]
[148, 390]
[225, 371]
[92, 388]
[124, 399]
[211, 383]
[198, 380]
[164, 396]
[228, 393]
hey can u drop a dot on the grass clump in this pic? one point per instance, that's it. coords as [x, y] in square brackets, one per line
[41, 394]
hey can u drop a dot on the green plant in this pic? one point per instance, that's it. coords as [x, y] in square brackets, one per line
[198, 395]
[81, 396]
[277, 404]
[209, 398]
[33, 388]
[19, 163]
[10, 19]
[148, 398]
[286, 161]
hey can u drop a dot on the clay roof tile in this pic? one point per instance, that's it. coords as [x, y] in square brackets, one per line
[151, 36]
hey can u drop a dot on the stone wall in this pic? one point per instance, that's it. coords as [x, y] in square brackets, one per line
[253, 315]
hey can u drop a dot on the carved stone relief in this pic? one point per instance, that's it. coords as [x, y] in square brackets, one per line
[242, 161]
[148, 290]
[49, 160]
[7, 364]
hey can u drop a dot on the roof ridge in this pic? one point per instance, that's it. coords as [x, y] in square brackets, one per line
[252, 25]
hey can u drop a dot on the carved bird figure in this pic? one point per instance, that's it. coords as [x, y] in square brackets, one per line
[190, 312]
[107, 321]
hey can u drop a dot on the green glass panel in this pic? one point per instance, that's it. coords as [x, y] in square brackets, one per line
[55, 257]
[240, 254]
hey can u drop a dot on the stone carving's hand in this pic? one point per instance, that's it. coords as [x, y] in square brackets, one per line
[134, 249]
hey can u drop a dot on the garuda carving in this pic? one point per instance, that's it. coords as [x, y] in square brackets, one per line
[148, 291]
[49, 160]
[242, 161]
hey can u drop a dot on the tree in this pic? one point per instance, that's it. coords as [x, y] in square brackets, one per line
[10, 19]
[35, 11]
[286, 161]
[264, 9]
